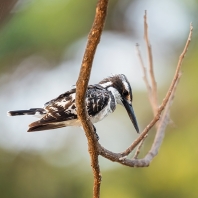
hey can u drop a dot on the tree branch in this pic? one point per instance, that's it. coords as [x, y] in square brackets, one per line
[81, 88]
[94, 146]
[121, 157]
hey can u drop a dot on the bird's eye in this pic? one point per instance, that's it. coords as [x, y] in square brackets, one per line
[125, 93]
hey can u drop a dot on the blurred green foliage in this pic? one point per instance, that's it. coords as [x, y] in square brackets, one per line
[27, 175]
[47, 27]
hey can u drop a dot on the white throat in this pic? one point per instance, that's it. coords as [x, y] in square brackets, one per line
[116, 95]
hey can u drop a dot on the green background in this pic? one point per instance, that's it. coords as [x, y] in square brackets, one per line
[48, 28]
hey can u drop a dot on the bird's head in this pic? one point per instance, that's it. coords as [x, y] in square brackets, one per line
[121, 89]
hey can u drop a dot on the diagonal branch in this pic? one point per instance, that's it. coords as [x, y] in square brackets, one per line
[81, 88]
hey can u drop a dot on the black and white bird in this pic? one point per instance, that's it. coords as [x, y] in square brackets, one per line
[101, 100]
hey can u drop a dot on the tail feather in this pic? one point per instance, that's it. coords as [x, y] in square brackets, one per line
[32, 111]
[36, 126]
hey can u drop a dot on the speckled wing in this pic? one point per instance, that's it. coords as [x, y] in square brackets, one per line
[60, 109]
[63, 108]
[97, 99]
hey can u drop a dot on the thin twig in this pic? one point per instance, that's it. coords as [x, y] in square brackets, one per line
[139, 147]
[152, 91]
[81, 88]
[154, 102]
[144, 72]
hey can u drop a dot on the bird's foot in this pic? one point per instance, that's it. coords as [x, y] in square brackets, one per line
[95, 132]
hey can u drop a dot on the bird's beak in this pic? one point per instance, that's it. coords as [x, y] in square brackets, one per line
[131, 114]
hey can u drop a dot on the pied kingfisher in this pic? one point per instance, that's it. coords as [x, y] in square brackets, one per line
[101, 99]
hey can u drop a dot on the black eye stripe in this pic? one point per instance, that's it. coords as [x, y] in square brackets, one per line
[125, 93]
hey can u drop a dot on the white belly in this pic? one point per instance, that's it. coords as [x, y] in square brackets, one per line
[101, 115]
[98, 117]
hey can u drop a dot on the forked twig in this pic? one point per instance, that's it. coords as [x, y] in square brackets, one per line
[165, 100]
[121, 157]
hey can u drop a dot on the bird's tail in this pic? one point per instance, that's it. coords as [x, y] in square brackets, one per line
[33, 111]
[37, 126]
